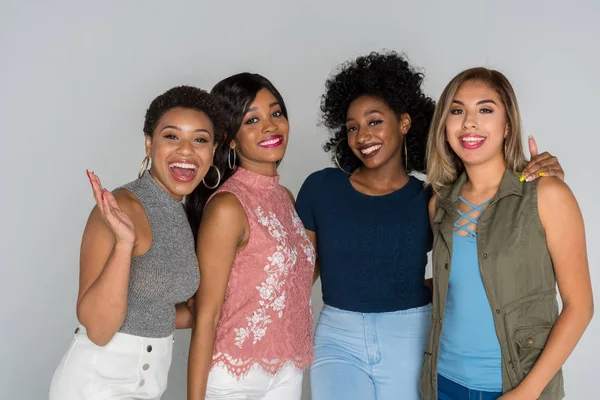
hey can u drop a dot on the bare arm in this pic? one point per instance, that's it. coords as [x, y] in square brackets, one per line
[183, 316]
[565, 236]
[223, 231]
[108, 243]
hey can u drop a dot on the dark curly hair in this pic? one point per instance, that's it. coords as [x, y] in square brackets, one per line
[235, 95]
[385, 75]
[185, 97]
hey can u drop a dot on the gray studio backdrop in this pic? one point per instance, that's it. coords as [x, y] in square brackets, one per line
[76, 78]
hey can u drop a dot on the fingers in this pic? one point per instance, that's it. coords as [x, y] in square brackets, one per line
[533, 149]
[112, 201]
[96, 189]
[545, 165]
[534, 165]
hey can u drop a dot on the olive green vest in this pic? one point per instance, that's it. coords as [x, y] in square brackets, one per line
[517, 274]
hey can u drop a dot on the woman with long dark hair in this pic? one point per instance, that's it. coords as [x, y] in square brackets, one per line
[253, 329]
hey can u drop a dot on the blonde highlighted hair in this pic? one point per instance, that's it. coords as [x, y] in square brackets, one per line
[443, 165]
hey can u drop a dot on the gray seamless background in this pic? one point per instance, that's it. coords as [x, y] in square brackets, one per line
[76, 78]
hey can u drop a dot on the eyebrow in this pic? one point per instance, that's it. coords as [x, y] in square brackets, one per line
[179, 129]
[478, 103]
[270, 106]
[366, 114]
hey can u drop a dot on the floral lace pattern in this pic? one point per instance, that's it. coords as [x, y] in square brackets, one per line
[266, 317]
[272, 296]
[309, 250]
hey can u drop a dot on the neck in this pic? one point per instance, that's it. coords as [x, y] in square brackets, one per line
[485, 177]
[159, 183]
[388, 175]
[261, 168]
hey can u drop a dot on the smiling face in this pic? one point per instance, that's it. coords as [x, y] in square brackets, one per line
[375, 133]
[181, 148]
[476, 126]
[263, 136]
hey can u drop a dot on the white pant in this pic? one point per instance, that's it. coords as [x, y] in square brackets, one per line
[127, 368]
[256, 385]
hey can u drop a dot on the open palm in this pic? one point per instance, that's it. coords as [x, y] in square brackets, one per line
[118, 221]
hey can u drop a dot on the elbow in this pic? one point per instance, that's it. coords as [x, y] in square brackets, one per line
[591, 310]
[207, 320]
[582, 310]
[95, 330]
[98, 337]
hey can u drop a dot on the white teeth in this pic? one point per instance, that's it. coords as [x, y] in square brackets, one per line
[269, 142]
[371, 149]
[472, 139]
[183, 165]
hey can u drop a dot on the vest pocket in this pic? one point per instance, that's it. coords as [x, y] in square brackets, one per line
[528, 344]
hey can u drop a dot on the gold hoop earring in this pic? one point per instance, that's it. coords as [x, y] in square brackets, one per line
[218, 178]
[405, 155]
[144, 167]
[229, 162]
[335, 156]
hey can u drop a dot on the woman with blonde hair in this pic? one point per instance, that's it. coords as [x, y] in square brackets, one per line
[500, 248]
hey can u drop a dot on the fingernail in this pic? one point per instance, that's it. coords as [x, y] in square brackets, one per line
[88, 175]
[530, 137]
[542, 174]
[103, 190]
[528, 179]
[522, 178]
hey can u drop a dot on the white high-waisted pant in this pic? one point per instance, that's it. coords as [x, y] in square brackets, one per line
[256, 385]
[127, 368]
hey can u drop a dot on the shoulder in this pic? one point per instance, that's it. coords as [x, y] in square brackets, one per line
[553, 194]
[128, 202]
[290, 194]
[223, 203]
[324, 176]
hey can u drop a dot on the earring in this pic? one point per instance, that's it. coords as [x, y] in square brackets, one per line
[405, 155]
[218, 178]
[229, 162]
[335, 156]
[144, 167]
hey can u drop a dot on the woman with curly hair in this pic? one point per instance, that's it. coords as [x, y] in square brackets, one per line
[369, 222]
[138, 265]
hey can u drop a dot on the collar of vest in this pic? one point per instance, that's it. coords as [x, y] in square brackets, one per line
[448, 196]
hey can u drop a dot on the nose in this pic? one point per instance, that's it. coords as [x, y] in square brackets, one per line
[470, 122]
[363, 135]
[185, 148]
[269, 126]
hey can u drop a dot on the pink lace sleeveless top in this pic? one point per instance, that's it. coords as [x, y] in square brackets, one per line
[266, 317]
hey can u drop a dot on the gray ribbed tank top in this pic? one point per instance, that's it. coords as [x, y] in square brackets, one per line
[168, 273]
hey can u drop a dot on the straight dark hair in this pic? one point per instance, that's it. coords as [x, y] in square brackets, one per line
[234, 95]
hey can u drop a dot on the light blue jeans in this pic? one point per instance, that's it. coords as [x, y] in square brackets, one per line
[374, 356]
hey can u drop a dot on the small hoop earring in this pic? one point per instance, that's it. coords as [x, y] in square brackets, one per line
[229, 162]
[335, 156]
[218, 178]
[144, 167]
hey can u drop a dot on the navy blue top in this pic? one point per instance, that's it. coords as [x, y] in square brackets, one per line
[372, 250]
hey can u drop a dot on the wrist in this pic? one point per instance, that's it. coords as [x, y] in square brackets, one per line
[528, 389]
[125, 246]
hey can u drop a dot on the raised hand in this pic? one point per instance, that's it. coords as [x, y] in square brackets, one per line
[118, 221]
[544, 164]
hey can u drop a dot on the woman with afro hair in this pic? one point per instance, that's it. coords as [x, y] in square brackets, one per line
[368, 220]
